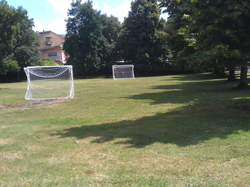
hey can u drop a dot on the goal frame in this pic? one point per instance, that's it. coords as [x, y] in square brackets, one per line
[123, 66]
[28, 95]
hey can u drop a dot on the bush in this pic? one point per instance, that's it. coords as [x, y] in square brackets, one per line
[50, 63]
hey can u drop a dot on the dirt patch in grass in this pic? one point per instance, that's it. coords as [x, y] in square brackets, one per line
[12, 155]
[12, 106]
[30, 105]
[4, 141]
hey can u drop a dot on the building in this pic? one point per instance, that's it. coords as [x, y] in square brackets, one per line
[51, 45]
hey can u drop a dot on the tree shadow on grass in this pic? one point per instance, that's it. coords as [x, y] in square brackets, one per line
[196, 77]
[204, 116]
[173, 127]
[208, 76]
[186, 92]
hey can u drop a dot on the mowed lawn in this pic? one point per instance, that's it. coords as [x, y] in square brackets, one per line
[177, 130]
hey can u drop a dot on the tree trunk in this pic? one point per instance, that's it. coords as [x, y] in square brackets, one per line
[216, 68]
[182, 66]
[243, 78]
[107, 73]
[107, 70]
[231, 76]
[18, 77]
[222, 71]
[83, 72]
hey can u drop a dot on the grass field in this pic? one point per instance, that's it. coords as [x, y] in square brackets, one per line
[178, 130]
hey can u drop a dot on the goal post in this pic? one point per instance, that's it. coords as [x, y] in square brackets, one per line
[49, 82]
[123, 72]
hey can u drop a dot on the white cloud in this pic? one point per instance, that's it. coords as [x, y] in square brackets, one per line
[60, 6]
[95, 5]
[121, 11]
[38, 26]
[58, 26]
[106, 8]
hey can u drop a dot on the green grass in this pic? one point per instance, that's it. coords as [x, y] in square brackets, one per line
[178, 130]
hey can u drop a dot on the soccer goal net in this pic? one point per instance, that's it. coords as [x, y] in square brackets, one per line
[49, 82]
[123, 71]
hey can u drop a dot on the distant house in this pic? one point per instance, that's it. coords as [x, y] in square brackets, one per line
[51, 45]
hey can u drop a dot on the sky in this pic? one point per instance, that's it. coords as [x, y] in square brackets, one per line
[50, 15]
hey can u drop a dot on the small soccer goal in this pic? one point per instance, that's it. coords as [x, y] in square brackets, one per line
[49, 82]
[123, 71]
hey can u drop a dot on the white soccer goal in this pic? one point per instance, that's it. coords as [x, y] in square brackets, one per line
[123, 71]
[49, 82]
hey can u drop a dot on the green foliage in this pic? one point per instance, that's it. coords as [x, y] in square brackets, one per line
[17, 39]
[91, 38]
[7, 38]
[222, 39]
[83, 37]
[209, 34]
[8, 65]
[108, 52]
[179, 40]
[142, 39]
[50, 63]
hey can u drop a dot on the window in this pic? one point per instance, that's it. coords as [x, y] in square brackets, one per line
[47, 39]
[52, 54]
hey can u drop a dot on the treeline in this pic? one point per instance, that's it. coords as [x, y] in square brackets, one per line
[201, 35]
[205, 35]
[210, 34]
[94, 41]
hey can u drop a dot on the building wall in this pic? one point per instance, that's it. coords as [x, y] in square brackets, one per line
[54, 39]
[58, 50]
[63, 57]
[54, 45]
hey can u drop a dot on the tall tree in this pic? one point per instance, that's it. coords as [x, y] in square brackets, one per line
[83, 37]
[223, 36]
[109, 52]
[142, 38]
[7, 38]
[178, 39]
[18, 42]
